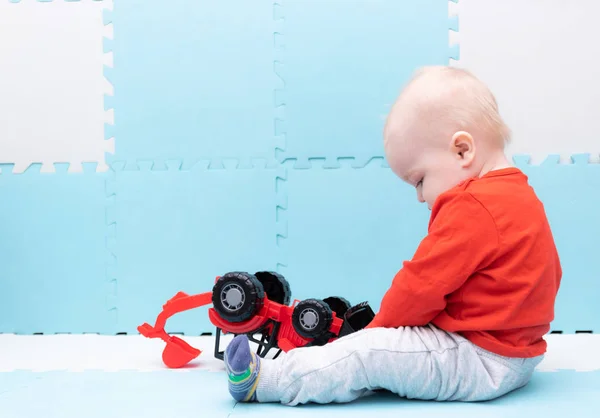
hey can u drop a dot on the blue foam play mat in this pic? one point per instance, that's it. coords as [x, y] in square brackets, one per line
[115, 246]
[186, 394]
[248, 137]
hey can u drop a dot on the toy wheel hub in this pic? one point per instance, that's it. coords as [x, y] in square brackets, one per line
[309, 319]
[233, 297]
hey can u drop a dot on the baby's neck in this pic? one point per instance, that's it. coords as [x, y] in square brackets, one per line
[496, 161]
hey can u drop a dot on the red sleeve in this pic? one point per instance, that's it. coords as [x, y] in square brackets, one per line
[462, 238]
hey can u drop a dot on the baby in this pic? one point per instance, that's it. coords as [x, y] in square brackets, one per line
[463, 320]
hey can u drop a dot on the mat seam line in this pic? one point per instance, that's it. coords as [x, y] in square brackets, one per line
[110, 181]
[279, 133]
[108, 73]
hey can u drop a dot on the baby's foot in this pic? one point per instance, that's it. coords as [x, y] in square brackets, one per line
[243, 369]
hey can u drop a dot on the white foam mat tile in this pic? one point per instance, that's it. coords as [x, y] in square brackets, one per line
[113, 353]
[96, 352]
[579, 352]
[52, 86]
[540, 58]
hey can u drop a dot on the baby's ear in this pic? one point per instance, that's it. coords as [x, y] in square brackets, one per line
[463, 146]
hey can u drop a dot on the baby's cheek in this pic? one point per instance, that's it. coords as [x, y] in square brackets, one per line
[432, 192]
[427, 196]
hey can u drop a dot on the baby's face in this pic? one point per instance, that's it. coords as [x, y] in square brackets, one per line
[431, 166]
[431, 171]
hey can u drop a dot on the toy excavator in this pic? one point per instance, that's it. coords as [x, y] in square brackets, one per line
[259, 304]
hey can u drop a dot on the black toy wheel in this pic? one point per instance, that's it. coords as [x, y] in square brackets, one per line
[356, 318]
[312, 318]
[276, 287]
[338, 304]
[237, 296]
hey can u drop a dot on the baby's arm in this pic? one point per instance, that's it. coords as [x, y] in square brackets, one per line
[462, 239]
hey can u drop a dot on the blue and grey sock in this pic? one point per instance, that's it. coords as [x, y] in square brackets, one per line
[243, 369]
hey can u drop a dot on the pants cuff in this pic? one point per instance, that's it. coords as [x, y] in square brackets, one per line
[267, 389]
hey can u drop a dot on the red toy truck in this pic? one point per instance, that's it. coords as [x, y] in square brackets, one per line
[259, 304]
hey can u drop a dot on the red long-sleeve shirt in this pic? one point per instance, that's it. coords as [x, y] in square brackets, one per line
[488, 268]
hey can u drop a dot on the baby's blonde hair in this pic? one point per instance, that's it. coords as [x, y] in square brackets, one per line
[459, 98]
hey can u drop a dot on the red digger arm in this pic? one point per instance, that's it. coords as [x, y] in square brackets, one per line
[177, 352]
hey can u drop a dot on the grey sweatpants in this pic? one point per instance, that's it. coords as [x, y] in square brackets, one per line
[412, 362]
